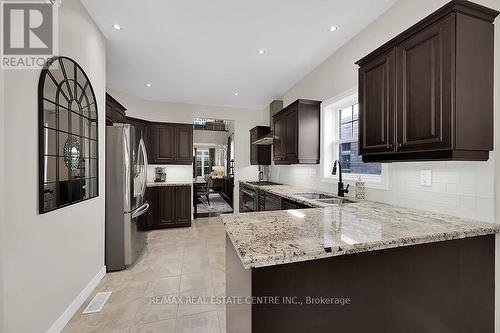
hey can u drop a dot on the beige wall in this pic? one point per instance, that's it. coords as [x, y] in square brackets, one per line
[51, 257]
[244, 120]
[464, 189]
[210, 137]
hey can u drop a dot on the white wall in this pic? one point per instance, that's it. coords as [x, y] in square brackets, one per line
[181, 173]
[210, 137]
[49, 258]
[244, 120]
[463, 189]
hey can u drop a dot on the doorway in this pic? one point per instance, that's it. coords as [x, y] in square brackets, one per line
[213, 167]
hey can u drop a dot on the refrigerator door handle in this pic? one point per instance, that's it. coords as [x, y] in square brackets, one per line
[141, 210]
[144, 154]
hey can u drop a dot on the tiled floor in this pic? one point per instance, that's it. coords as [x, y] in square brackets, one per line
[177, 262]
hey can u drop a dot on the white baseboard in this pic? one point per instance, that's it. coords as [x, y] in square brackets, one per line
[66, 316]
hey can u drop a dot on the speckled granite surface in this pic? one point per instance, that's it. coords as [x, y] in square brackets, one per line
[170, 183]
[270, 238]
[289, 192]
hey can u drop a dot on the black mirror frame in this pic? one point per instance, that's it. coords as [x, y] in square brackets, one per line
[41, 135]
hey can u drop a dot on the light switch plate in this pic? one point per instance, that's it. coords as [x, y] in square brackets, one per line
[426, 177]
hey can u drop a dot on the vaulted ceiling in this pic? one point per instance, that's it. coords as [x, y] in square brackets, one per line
[207, 52]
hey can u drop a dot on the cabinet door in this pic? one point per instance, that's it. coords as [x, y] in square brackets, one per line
[164, 142]
[183, 145]
[183, 205]
[291, 136]
[166, 207]
[424, 63]
[278, 133]
[253, 148]
[376, 105]
[152, 214]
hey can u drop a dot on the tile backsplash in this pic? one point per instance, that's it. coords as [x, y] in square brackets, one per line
[174, 172]
[463, 189]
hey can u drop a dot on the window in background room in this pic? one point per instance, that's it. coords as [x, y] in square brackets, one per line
[202, 163]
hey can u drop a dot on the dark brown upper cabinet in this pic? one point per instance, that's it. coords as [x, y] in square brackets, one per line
[170, 144]
[428, 93]
[259, 154]
[296, 131]
[183, 144]
[115, 112]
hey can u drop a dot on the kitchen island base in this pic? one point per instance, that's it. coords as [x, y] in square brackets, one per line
[446, 286]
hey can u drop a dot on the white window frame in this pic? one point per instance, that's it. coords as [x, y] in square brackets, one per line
[329, 144]
[203, 153]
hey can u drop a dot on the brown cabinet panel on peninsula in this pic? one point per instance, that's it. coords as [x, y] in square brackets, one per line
[296, 133]
[170, 206]
[170, 143]
[428, 93]
[259, 154]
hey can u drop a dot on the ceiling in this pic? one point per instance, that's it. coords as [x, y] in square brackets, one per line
[203, 52]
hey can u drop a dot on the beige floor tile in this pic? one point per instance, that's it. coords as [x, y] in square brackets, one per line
[195, 281]
[197, 266]
[218, 277]
[163, 286]
[195, 307]
[150, 312]
[222, 320]
[191, 259]
[164, 326]
[206, 322]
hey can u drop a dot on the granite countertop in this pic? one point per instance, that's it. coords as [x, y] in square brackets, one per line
[170, 183]
[270, 238]
[289, 192]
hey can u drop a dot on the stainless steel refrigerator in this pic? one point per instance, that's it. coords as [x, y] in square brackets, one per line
[126, 179]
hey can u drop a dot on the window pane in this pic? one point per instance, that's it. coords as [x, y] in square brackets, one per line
[352, 163]
[355, 108]
[355, 129]
[346, 131]
[346, 115]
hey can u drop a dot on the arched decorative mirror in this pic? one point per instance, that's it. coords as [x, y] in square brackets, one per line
[68, 138]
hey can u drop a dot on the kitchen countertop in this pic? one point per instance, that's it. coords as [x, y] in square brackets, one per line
[170, 183]
[288, 192]
[271, 238]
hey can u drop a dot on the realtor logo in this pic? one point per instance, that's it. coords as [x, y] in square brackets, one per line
[29, 35]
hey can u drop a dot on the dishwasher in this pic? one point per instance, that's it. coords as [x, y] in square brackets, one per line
[273, 202]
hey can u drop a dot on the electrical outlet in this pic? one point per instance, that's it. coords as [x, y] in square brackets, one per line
[426, 177]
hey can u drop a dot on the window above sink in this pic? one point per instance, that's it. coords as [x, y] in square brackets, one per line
[339, 136]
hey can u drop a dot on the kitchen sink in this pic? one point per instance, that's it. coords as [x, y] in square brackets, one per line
[325, 198]
[336, 201]
[315, 196]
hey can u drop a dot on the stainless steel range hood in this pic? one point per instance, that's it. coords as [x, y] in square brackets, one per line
[268, 139]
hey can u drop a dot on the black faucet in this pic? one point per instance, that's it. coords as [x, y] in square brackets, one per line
[341, 190]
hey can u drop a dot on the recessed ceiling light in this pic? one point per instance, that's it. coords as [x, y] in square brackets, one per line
[236, 93]
[261, 51]
[149, 85]
[333, 28]
[117, 27]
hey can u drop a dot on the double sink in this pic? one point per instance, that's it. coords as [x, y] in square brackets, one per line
[325, 198]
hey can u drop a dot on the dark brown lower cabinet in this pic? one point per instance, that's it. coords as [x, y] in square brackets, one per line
[289, 204]
[170, 207]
